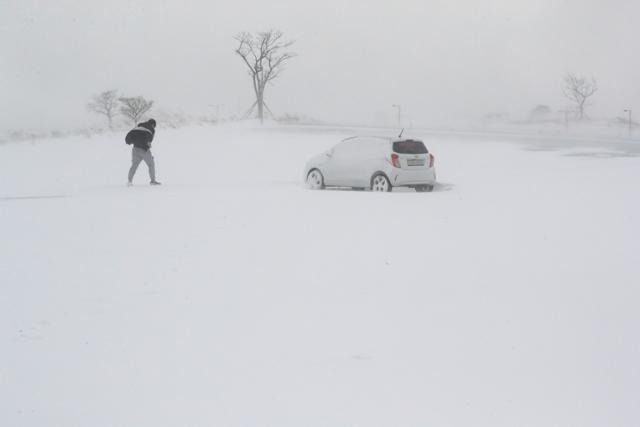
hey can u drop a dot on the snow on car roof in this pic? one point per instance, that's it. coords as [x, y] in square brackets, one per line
[384, 138]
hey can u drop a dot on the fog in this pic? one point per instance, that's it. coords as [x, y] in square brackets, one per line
[445, 62]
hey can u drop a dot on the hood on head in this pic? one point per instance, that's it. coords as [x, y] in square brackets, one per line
[149, 124]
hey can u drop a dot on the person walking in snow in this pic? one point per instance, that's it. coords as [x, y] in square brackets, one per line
[141, 137]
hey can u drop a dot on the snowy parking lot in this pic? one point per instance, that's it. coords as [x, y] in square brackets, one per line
[233, 296]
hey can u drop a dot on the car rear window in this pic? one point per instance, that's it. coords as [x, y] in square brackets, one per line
[409, 147]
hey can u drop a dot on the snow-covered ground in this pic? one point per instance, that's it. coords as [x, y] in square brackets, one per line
[233, 296]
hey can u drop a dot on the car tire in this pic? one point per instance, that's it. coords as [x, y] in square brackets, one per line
[315, 180]
[424, 188]
[380, 183]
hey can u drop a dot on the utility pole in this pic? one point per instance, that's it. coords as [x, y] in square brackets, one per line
[629, 111]
[399, 107]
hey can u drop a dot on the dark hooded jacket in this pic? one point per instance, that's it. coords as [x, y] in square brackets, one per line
[142, 135]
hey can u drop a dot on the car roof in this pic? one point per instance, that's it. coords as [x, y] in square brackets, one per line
[381, 138]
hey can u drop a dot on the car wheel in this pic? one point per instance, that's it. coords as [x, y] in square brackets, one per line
[380, 182]
[424, 188]
[315, 180]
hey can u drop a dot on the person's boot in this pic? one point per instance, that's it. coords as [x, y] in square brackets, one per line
[129, 183]
[154, 183]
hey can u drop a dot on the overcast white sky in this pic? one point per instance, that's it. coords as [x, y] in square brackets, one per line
[444, 61]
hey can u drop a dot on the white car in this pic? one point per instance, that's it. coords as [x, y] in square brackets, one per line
[378, 163]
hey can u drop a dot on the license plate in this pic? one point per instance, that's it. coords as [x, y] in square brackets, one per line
[415, 162]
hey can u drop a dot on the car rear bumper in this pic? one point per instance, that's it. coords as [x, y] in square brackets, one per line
[400, 177]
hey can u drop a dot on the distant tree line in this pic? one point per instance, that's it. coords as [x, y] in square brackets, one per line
[109, 104]
[265, 55]
[577, 89]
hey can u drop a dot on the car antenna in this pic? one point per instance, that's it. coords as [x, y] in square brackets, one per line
[401, 132]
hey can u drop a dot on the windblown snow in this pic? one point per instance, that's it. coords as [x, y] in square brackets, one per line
[234, 296]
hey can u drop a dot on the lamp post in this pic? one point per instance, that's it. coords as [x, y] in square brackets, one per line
[399, 107]
[629, 111]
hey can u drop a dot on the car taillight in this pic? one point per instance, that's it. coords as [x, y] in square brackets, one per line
[395, 160]
[432, 159]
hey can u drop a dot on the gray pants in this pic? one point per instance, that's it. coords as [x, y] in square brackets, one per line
[138, 155]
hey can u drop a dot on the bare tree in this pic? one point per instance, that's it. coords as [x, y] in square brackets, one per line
[106, 104]
[578, 90]
[135, 107]
[264, 54]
